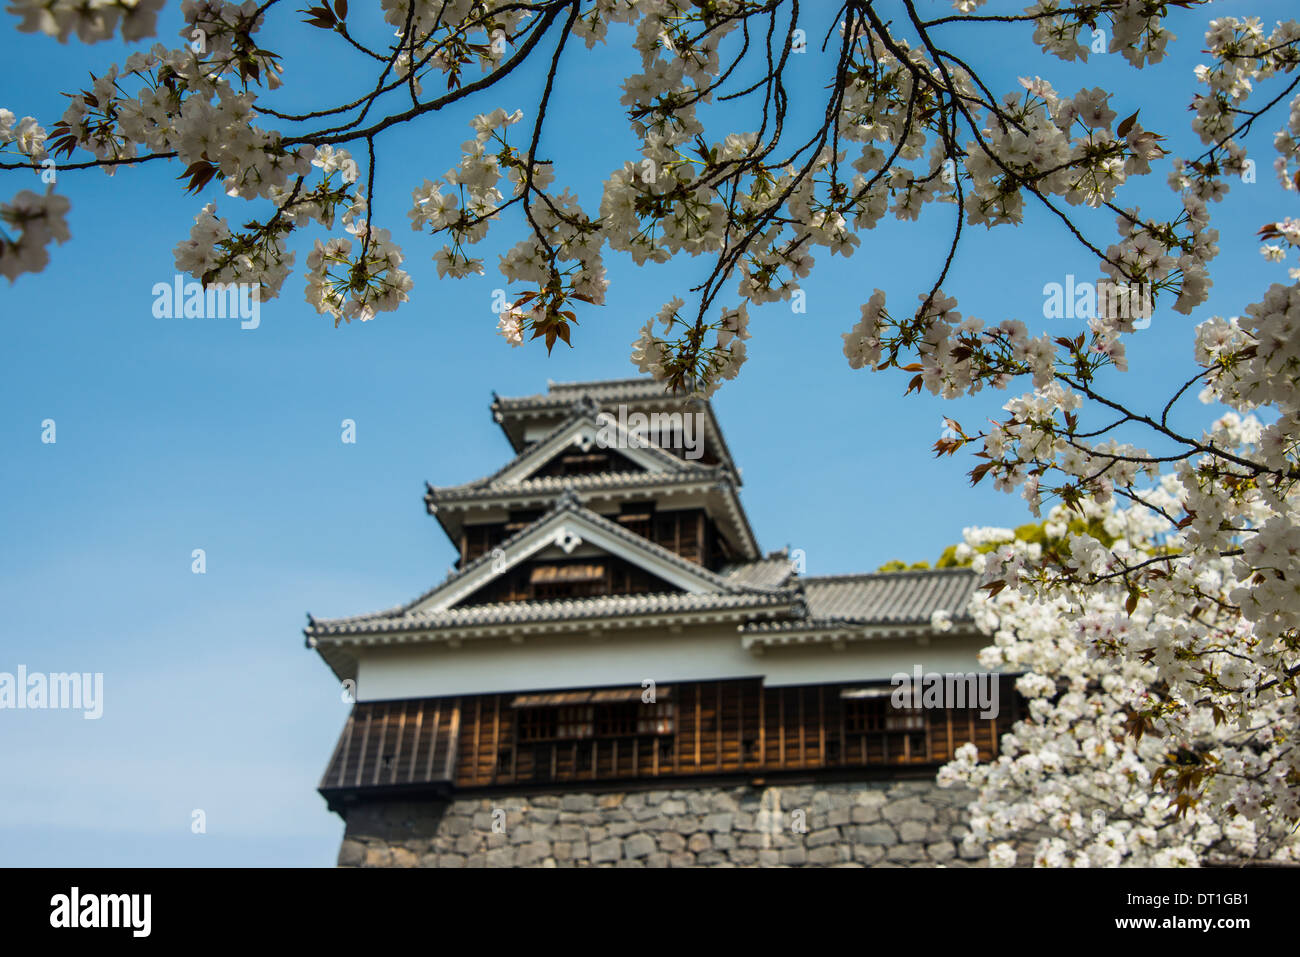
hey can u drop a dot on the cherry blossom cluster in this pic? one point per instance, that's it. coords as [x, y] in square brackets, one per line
[90, 20]
[200, 103]
[31, 221]
[1075, 782]
[1198, 578]
[902, 114]
[1136, 29]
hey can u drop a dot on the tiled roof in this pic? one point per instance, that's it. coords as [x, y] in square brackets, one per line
[568, 609]
[770, 572]
[606, 392]
[715, 477]
[673, 463]
[840, 602]
[601, 390]
[886, 598]
[554, 484]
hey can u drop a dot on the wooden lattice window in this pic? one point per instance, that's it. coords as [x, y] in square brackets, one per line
[637, 517]
[567, 581]
[575, 722]
[616, 719]
[904, 719]
[521, 519]
[537, 724]
[584, 463]
[655, 718]
[634, 718]
[480, 539]
[862, 715]
[872, 710]
[624, 719]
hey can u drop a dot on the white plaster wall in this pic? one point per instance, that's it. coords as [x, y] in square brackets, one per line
[627, 658]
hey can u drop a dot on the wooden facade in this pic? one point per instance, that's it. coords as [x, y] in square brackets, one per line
[711, 728]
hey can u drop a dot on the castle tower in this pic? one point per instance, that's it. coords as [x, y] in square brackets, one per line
[611, 627]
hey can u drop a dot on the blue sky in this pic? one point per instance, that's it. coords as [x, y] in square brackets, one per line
[174, 435]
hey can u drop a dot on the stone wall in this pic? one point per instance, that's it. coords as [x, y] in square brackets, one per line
[907, 823]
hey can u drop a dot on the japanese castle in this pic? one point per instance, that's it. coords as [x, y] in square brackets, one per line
[611, 621]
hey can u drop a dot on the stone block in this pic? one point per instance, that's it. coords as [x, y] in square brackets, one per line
[877, 834]
[638, 846]
[908, 809]
[912, 831]
[828, 854]
[352, 854]
[905, 853]
[942, 851]
[501, 857]
[868, 853]
[532, 853]
[403, 857]
[672, 842]
[827, 835]
[578, 802]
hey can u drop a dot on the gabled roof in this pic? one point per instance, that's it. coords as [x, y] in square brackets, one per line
[564, 526]
[581, 428]
[642, 393]
[450, 504]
